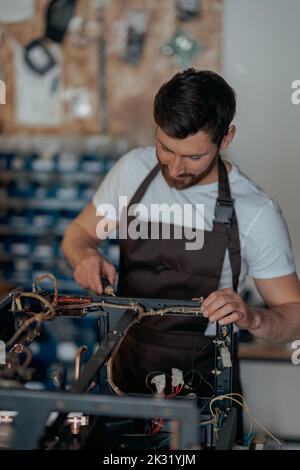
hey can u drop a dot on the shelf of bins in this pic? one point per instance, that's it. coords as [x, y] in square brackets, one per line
[46, 176]
[39, 198]
[52, 204]
[29, 230]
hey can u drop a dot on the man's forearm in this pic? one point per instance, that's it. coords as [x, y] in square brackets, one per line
[77, 244]
[279, 324]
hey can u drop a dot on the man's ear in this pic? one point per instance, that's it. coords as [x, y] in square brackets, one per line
[228, 138]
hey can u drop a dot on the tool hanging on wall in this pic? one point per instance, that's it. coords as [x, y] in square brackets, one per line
[188, 9]
[136, 35]
[83, 30]
[100, 6]
[78, 102]
[182, 48]
[41, 104]
[58, 16]
[37, 54]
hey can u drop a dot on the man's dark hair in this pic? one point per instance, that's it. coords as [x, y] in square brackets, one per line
[193, 101]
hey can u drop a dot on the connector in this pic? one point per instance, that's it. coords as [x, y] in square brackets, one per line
[225, 357]
[177, 377]
[160, 383]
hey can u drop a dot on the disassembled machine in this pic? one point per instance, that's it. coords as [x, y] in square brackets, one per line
[78, 416]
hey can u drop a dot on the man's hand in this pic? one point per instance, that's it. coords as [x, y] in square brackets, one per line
[226, 306]
[89, 270]
[80, 247]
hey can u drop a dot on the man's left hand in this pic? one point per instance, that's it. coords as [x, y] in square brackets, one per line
[226, 306]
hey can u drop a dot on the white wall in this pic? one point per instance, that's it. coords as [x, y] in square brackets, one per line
[271, 390]
[261, 60]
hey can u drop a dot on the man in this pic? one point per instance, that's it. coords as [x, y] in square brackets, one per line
[244, 233]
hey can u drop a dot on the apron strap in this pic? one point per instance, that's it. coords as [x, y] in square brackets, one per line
[143, 186]
[226, 221]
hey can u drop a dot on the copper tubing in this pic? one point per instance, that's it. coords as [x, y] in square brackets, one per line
[68, 300]
[109, 364]
[79, 353]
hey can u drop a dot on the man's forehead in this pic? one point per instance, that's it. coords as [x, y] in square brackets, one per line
[194, 144]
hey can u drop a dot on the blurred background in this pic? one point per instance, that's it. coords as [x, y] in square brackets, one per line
[77, 85]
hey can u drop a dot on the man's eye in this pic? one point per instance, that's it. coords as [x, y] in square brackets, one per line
[195, 158]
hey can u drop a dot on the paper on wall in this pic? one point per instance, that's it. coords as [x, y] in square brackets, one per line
[38, 100]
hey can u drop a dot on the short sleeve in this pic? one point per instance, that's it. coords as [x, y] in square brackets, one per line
[268, 246]
[106, 198]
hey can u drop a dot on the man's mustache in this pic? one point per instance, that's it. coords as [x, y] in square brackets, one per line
[184, 175]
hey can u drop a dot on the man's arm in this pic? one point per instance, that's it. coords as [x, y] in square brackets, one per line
[79, 245]
[280, 322]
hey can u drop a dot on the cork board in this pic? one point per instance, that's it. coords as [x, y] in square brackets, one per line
[130, 88]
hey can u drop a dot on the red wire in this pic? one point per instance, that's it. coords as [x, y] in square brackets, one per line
[158, 427]
[160, 422]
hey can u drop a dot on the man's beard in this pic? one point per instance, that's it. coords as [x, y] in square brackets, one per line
[186, 180]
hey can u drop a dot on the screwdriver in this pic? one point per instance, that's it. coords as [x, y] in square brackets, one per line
[107, 287]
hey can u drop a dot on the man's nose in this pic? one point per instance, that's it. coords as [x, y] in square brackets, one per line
[176, 168]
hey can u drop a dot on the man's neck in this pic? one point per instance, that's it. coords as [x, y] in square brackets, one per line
[213, 176]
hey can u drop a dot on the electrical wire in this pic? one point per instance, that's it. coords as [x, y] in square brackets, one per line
[244, 405]
[36, 317]
[38, 279]
[134, 306]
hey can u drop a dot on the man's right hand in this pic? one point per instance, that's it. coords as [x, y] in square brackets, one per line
[89, 270]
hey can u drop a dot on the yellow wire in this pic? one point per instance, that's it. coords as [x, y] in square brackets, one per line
[243, 404]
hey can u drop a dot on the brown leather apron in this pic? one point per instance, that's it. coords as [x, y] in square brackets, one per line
[160, 268]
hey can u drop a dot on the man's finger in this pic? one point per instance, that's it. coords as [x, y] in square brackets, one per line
[94, 276]
[216, 304]
[232, 318]
[96, 283]
[218, 294]
[81, 281]
[110, 271]
[209, 299]
[224, 311]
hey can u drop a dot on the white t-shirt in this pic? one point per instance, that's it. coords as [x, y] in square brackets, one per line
[266, 250]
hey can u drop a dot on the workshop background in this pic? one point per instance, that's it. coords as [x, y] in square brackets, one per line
[74, 102]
